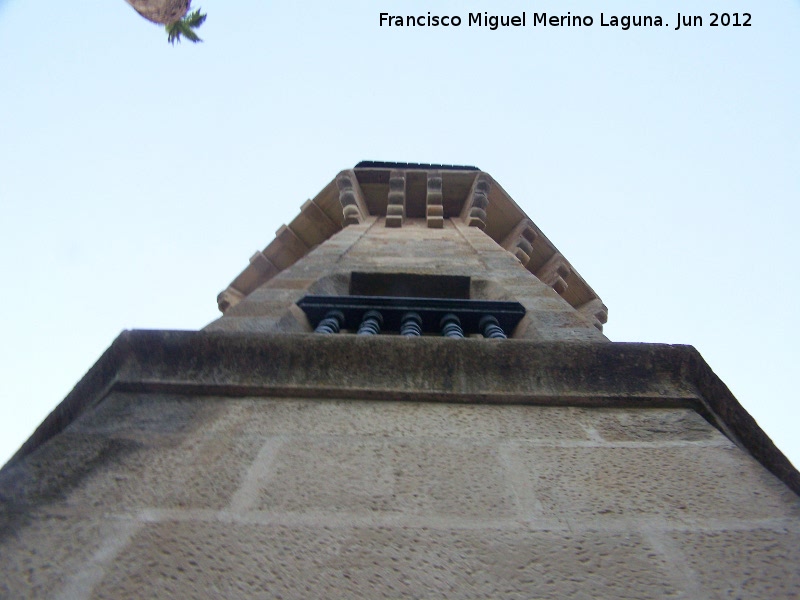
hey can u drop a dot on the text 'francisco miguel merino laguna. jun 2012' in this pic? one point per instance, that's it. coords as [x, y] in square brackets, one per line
[537, 19]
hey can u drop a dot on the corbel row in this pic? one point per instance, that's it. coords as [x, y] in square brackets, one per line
[396, 206]
[292, 242]
[355, 211]
[555, 272]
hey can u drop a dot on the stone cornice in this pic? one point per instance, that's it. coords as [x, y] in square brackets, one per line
[435, 194]
[422, 369]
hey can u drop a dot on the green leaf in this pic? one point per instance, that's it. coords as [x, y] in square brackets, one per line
[185, 27]
[195, 19]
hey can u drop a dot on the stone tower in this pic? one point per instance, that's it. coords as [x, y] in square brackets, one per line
[408, 394]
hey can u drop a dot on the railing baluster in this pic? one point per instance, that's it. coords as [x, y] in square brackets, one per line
[332, 322]
[491, 328]
[411, 325]
[371, 323]
[451, 326]
[411, 316]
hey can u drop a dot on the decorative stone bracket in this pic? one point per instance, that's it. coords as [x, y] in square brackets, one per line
[434, 210]
[595, 311]
[520, 241]
[354, 209]
[474, 211]
[555, 272]
[396, 206]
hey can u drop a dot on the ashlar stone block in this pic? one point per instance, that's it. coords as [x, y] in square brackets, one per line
[351, 475]
[652, 425]
[744, 564]
[680, 483]
[46, 555]
[160, 471]
[142, 413]
[269, 416]
[204, 560]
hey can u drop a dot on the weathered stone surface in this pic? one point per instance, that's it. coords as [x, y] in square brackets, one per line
[139, 413]
[198, 472]
[436, 195]
[650, 425]
[292, 497]
[174, 560]
[317, 417]
[271, 464]
[58, 468]
[48, 557]
[134, 451]
[746, 564]
[418, 477]
[396, 367]
[685, 483]
[427, 368]
[450, 248]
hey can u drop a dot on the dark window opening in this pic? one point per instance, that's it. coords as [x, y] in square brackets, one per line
[406, 285]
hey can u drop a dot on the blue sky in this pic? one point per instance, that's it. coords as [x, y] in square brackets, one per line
[137, 178]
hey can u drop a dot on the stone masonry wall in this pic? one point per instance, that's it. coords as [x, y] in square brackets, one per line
[456, 249]
[150, 495]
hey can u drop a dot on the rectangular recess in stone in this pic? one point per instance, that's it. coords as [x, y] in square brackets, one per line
[366, 475]
[678, 483]
[375, 197]
[409, 284]
[416, 186]
[250, 560]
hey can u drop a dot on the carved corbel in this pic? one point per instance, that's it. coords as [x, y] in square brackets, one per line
[595, 311]
[396, 207]
[434, 211]
[354, 209]
[229, 298]
[474, 211]
[555, 272]
[520, 241]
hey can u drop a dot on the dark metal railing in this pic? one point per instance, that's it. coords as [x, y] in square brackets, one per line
[370, 315]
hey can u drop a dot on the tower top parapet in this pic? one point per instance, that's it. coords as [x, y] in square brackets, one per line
[399, 193]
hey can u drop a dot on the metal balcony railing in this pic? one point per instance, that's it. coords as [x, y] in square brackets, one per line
[371, 315]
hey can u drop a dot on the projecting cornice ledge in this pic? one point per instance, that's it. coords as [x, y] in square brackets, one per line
[421, 369]
[401, 191]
